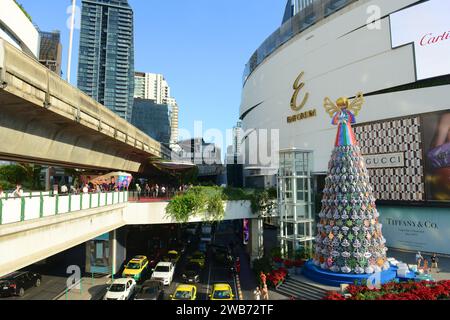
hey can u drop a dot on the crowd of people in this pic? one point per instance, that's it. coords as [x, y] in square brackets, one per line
[424, 264]
[160, 191]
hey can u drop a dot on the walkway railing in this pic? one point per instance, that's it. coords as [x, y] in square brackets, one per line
[37, 205]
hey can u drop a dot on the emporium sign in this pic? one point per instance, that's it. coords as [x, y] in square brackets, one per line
[296, 106]
[427, 26]
[388, 160]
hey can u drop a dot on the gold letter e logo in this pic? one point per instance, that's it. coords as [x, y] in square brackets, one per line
[297, 87]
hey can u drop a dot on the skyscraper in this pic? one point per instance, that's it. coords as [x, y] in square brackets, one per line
[106, 58]
[50, 51]
[153, 119]
[153, 86]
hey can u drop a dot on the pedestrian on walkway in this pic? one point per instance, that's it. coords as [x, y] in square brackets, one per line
[18, 192]
[138, 189]
[257, 293]
[418, 257]
[425, 266]
[265, 292]
[85, 189]
[64, 189]
[434, 262]
[2, 194]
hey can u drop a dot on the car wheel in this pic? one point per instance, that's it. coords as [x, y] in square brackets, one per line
[38, 283]
[21, 292]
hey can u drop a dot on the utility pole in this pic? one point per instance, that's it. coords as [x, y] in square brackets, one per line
[72, 26]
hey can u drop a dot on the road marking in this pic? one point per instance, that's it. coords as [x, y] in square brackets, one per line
[237, 285]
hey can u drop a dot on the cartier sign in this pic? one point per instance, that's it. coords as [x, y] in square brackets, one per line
[426, 26]
[388, 160]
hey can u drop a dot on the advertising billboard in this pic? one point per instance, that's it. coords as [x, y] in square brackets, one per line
[418, 229]
[427, 25]
[436, 149]
[246, 231]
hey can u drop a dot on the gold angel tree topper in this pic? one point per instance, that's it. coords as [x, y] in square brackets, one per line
[343, 113]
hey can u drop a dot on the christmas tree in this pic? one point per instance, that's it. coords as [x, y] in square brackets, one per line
[349, 237]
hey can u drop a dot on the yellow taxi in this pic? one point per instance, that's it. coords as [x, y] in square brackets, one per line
[136, 268]
[221, 291]
[172, 256]
[185, 292]
[199, 258]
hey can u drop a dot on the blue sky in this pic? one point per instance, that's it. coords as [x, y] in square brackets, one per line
[201, 46]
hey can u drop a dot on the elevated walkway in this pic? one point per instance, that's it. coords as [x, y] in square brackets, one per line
[35, 227]
[39, 108]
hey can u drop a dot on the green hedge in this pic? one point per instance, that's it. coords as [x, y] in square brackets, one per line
[209, 200]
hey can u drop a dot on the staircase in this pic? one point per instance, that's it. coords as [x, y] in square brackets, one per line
[301, 290]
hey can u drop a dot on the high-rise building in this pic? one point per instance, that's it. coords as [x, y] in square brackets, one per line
[153, 119]
[50, 51]
[106, 58]
[151, 86]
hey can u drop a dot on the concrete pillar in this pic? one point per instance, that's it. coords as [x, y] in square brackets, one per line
[118, 249]
[256, 239]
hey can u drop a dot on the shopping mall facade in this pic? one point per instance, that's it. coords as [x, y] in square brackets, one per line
[396, 54]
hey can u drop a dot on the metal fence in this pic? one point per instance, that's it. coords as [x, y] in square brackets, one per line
[35, 205]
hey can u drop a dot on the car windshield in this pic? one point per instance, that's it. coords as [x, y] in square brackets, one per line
[222, 294]
[162, 269]
[197, 256]
[117, 288]
[183, 295]
[192, 267]
[133, 265]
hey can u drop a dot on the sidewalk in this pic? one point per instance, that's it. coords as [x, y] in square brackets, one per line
[248, 279]
[410, 258]
[88, 289]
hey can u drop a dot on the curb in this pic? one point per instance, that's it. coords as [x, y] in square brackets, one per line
[238, 284]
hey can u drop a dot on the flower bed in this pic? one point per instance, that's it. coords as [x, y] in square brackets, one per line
[398, 291]
[277, 277]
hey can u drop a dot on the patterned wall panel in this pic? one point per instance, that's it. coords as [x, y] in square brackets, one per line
[404, 183]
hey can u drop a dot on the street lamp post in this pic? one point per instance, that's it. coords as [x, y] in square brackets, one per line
[72, 26]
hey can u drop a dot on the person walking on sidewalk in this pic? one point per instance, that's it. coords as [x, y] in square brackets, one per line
[434, 262]
[238, 265]
[257, 293]
[265, 292]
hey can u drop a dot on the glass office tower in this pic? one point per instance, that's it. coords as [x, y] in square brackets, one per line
[153, 119]
[106, 57]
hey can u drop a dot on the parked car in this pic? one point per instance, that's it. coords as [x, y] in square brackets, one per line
[164, 272]
[221, 291]
[185, 292]
[120, 289]
[136, 268]
[191, 273]
[150, 290]
[15, 284]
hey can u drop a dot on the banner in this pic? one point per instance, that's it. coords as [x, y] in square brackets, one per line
[436, 149]
[427, 25]
[416, 229]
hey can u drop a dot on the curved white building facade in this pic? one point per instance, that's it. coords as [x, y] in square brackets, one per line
[397, 54]
[17, 29]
